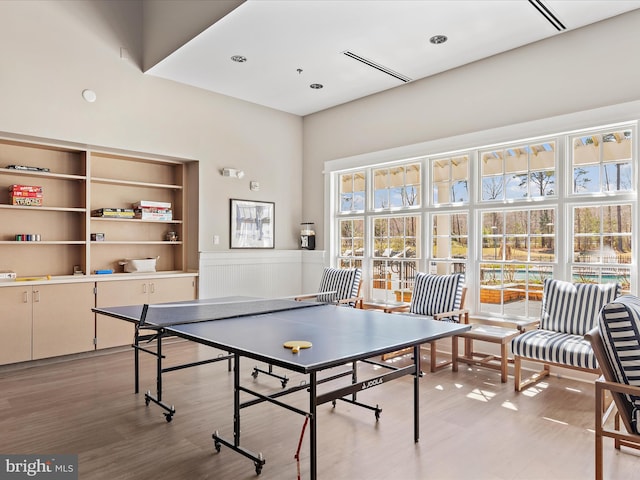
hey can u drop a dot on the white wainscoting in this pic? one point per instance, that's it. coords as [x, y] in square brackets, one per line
[260, 273]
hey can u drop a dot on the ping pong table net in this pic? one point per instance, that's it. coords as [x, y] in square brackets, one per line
[164, 314]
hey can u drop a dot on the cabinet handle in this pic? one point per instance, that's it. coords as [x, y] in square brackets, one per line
[144, 288]
[153, 287]
[25, 297]
[36, 295]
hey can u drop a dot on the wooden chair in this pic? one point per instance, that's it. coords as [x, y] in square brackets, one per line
[569, 311]
[438, 297]
[340, 286]
[616, 344]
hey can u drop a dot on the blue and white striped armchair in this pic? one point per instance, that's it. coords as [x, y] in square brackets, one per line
[569, 311]
[338, 285]
[438, 297]
[616, 344]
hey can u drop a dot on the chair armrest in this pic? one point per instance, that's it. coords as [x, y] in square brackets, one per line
[462, 312]
[309, 296]
[525, 325]
[506, 323]
[616, 387]
[397, 308]
[357, 301]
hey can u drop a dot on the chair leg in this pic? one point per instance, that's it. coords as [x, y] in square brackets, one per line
[454, 353]
[535, 378]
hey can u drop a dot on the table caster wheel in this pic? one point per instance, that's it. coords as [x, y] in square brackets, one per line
[254, 374]
[169, 417]
[378, 411]
[259, 464]
[284, 382]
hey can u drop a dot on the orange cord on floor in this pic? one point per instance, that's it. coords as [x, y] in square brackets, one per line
[297, 455]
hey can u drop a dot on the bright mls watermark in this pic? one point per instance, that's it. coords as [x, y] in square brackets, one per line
[50, 467]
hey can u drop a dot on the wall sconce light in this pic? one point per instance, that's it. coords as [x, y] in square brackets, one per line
[232, 172]
[89, 95]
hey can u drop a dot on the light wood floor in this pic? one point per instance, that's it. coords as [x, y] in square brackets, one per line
[472, 426]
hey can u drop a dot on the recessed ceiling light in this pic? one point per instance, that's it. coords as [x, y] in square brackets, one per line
[239, 58]
[438, 39]
[316, 86]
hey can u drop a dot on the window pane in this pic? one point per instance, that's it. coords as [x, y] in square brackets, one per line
[449, 238]
[460, 191]
[586, 220]
[617, 177]
[542, 156]
[586, 179]
[516, 186]
[492, 188]
[542, 183]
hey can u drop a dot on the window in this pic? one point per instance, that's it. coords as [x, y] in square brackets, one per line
[508, 216]
[352, 192]
[396, 187]
[351, 243]
[602, 162]
[517, 254]
[449, 177]
[395, 256]
[450, 243]
[602, 244]
[519, 172]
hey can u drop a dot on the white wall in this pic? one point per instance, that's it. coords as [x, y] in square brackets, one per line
[576, 71]
[52, 50]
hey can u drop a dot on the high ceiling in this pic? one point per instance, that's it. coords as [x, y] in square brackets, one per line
[355, 48]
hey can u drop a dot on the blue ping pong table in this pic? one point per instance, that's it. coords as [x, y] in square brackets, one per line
[258, 329]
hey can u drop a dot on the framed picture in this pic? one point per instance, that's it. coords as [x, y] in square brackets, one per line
[252, 224]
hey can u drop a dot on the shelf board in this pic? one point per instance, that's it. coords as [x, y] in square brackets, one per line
[43, 208]
[28, 173]
[136, 220]
[113, 181]
[43, 242]
[134, 242]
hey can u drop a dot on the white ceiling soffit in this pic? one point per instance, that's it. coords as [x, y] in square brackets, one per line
[355, 48]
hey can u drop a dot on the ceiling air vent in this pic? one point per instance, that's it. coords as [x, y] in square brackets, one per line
[377, 66]
[546, 13]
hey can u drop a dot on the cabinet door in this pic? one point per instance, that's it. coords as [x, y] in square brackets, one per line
[63, 322]
[162, 290]
[15, 320]
[111, 332]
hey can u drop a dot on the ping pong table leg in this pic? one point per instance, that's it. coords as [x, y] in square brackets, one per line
[136, 360]
[313, 445]
[416, 394]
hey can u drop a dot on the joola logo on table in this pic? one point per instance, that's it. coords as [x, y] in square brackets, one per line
[372, 383]
[58, 467]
